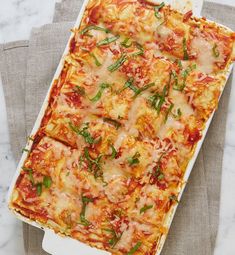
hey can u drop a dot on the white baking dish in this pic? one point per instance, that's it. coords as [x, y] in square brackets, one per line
[59, 245]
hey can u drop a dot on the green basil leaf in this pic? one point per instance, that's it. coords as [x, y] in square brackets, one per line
[30, 173]
[157, 9]
[126, 44]
[134, 249]
[94, 165]
[134, 160]
[95, 59]
[24, 150]
[136, 90]
[108, 40]
[158, 172]
[85, 201]
[179, 113]
[185, 49]
[185, 73]
[86, 29]
[179, 63]
[129, 84]
[173, 198]
[114, 152]
[215, 51]
[145, 208]
[47, 181]
[84, 133]
[140, 52]
[80, 90]
[161, 176]
[168, 112]
[176, 79]
[115, 123]
[115, 237]
[118, 63]
[158, 99]
[39, 189]
[97, 97]
[84, 221]
[140, 90]
[30, 138]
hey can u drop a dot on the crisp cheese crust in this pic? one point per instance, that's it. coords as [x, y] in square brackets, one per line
[124, 117]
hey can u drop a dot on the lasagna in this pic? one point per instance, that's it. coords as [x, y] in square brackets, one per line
[122, 122]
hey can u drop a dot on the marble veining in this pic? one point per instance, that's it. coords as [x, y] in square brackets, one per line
[17, 17]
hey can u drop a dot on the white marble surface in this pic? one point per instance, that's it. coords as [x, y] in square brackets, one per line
[17, 17]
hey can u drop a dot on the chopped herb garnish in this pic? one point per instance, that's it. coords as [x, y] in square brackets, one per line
[24, 150]
[179, 113]
[94, 164]
[30, 138]
[161, 176]
[47, 181]
[84, 133]
[185, 73]
[134, 160]
[97, 97]
[39, 189]
[80, 90]
[115, 123]
[31, 177]
[85, 201]
[140, 52]
[97, 62]
[215, 51]
[179, 63]
[145, 208]
[134, 249]
[157, 9]
[30, 173]
[129, 84]
[27, 169]
[140, 90]
[158, 99]
[118, 63]
[176, 79]
[115, 237]
[168, 112]
[185, 49]
[108, 40]
[126, 44]
[158, 172]
[114, 152]
[85, 30]
[173, 198]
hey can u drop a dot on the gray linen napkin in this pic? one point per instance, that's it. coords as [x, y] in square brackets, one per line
[213, 146]
[13, 61]
[190, 228]
[67, 10]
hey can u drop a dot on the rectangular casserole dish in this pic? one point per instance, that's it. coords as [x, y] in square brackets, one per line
[173, 207]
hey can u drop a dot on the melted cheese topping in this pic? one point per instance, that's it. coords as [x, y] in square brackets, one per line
[123, 121]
